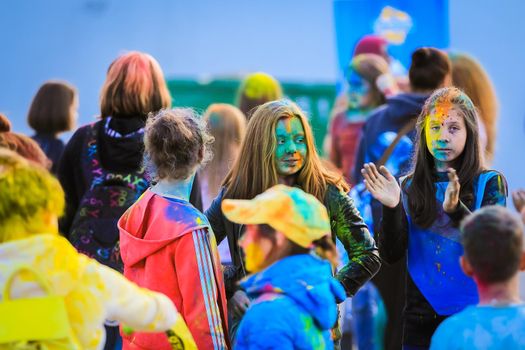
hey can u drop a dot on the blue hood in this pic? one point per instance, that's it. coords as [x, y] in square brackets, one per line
[307, 280]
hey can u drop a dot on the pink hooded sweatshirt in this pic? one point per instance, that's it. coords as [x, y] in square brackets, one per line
[168, 246]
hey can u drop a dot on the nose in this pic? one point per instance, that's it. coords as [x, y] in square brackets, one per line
[291, 148]
[444, 137]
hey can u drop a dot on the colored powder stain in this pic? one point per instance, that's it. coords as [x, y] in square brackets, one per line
[259, 85]
[442, 109]
[198, 221]
[438, 265]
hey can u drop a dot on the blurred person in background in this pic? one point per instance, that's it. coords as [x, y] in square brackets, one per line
[21, 144]
[227, 124]
[365, 75]
[53, 111]
[468, 75]
[255, 90]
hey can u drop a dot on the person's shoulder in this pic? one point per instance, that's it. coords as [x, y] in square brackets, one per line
[451, 327]
[277, 307]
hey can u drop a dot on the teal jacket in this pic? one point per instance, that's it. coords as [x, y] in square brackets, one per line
[294, 306]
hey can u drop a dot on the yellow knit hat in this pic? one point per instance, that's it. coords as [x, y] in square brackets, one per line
[289, 210]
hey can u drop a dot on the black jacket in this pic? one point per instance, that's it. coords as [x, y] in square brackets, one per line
[346, 225]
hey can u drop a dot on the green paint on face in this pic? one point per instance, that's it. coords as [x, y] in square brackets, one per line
[291, 150]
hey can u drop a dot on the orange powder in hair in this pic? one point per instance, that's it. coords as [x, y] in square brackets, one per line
[442, 109]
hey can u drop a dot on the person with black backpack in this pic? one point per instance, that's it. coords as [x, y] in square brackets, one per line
[101, 168]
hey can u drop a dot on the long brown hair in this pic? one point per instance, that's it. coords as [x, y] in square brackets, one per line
[468, 165]
[254, 170]
[227, 124]
[469, 75]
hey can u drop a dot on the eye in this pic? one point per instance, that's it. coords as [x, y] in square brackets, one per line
[454, 128]
[281, 141]
[435, 128]
[299, 139]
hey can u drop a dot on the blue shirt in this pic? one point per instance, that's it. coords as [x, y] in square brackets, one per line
[483, 327]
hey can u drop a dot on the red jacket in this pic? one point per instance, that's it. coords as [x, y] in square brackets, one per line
[168, 246]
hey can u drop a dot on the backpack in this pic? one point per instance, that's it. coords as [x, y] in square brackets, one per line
[94, 230]
[26, 322]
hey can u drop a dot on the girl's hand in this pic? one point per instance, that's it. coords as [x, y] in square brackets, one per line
[452, 193]
[518, 198]
[381, 185]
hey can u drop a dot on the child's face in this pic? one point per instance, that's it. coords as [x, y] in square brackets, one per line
[446, 135]
[256, 248]
[291, 150]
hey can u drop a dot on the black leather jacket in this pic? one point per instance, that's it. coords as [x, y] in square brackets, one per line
[346, 224]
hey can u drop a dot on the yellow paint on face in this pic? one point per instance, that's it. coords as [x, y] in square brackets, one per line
[254, 257]
[256, 249]
[445, 136]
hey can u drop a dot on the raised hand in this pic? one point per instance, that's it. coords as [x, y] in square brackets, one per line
[451, 201]
[381, 185]
[239, 303]
[518, 198]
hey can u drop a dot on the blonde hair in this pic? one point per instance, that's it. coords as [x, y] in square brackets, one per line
[469, 76]
[254, 170]
[29, 195]
[227, 125]
[134, 86]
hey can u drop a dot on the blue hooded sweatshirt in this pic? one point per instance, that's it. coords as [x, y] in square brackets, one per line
[294, 305]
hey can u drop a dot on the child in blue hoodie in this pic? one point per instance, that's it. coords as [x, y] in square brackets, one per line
[294, 296]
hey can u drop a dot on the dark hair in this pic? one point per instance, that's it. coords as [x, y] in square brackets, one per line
[50, 111]
[21, 144]
[324, 247]
[468, 165]
[134, 86]
[493, 241]
[176, 143]
[428, 69]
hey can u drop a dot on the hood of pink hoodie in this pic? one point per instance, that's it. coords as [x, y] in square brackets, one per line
[152, 223]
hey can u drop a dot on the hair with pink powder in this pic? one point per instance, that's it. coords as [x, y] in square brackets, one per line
[134, 86]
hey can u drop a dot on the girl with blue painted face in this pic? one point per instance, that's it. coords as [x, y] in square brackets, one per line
[420, 218]
[279, 149]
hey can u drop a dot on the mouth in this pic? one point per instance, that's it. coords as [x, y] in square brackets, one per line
[443, 150]
[290, 161]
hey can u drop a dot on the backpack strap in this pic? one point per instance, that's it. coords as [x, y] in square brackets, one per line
[404, 130]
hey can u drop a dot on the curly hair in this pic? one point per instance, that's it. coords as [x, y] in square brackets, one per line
[176, 144]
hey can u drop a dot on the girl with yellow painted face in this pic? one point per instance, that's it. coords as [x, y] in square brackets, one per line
[279, 149]
[420, 218]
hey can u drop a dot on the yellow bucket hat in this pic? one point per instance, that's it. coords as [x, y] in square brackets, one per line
[289, 210]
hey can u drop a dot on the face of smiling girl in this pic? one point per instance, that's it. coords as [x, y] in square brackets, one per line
[445, 134]
[291, 150]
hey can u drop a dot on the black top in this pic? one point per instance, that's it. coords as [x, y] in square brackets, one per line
[420, 320]
[52, 146]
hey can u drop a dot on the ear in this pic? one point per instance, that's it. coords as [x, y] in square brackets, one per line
[522, 262]
[280, 239]
[465, 266]
[201, 154]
